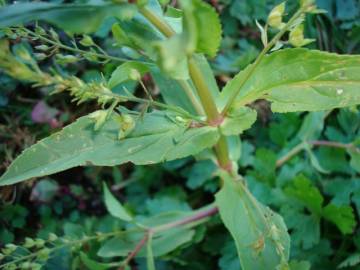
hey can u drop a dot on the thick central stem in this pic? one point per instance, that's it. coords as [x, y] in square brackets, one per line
[214, 118]
[212, 114]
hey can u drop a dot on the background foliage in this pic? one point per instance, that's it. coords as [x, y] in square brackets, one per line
[307, 190]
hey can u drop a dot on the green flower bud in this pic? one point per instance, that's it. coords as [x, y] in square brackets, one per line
[296, 37]
[52, 237]
[134, 75]
[128, 123]
[66, 59]
[40, 31]
[99, 118]
[54, 35]
[40, 56]
[275, 16]
[87, 41]
[42, 47]
[29, 243]
[35, 266]
[39, 243]
[25, 265]
[43, 254]
[9, 248]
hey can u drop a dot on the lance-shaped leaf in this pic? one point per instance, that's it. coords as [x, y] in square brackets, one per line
[75, 18]
[115, 208]
[260, 235]
[299, 80]
[157, 137]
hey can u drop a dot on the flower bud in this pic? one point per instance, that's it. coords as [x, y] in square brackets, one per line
[134, 74]
[25, 265]
[39, 243]
[296, 37]
[40, 56]
[87, 41]
[99, 117]
[52, 237]
[42, 47]
[29, 243]
[43, 254]
[275, 16]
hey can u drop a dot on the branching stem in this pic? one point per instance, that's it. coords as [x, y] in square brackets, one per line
[214, 118]
[73, 49]
[301, 146]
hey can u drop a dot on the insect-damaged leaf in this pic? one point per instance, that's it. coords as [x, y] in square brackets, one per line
[260, 235]
[156, 137]
[300, 80]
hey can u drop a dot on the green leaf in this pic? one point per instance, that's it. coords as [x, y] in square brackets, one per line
[300, 265]
[312, 126]
[120, 245]
[352, 260]
[202, 26]
[260, 234]
[342, 216]
[305, 229]
[201, 172]
[114, 207]
[75, 18]
[355, 158]
[93, 265]
[156, 137]
[167, 241]
[314, 160]
[172, 57]
[124, 72]
[264, 166]
[304, 191]
[238, 120]
[162, 243]
[322, 81]
[172, 92]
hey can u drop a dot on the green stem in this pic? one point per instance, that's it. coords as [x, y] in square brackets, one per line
[301, 146]
[189, 92]
[206, 99]
[168, 32]
[72, 49]
[213, 116]
[162, 26]
[258, 60]
[289, 155]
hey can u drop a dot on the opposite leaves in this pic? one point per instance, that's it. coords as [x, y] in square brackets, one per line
[300, 80]
[157, 137]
